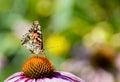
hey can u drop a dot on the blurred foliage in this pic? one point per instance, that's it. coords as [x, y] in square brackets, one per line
[65, 23]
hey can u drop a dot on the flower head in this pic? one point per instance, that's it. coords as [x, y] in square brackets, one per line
[40, 69]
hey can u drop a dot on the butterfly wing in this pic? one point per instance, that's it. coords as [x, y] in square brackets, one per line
[33, 39]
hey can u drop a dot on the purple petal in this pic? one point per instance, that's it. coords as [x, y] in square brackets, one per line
[71, 77]
[54, 79]
[18, 77]
[61, 77]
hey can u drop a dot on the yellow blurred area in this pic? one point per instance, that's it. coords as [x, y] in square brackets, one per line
[57, 45]
[100, 34]
[115, 40]
[44, 7]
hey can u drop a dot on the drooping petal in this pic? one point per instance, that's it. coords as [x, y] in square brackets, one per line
[71, 77]
[18, 77]
[54, 79]
[61, 77]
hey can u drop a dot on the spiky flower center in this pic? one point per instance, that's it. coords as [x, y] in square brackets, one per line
[103, 58]
[38, 67]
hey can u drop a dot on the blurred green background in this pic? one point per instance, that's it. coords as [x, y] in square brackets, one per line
[66, 24]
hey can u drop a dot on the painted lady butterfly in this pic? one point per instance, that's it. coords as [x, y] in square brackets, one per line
[33, 39]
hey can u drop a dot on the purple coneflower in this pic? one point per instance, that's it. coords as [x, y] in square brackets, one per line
[98, 65]
[40, 69]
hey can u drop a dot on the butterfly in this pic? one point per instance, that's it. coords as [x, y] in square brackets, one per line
[33, 39]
